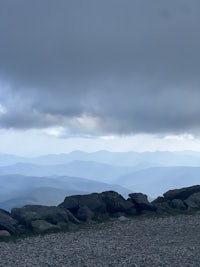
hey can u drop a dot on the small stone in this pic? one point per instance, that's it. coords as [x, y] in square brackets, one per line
[4, 233]
[123, 219]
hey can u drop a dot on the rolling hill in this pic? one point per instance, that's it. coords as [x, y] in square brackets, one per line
[18, 190]
[155, 181]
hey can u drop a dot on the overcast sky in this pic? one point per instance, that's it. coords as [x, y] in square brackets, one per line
[99, 74]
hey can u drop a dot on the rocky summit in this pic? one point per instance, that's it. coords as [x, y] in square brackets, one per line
[125, 235]
[95, 207]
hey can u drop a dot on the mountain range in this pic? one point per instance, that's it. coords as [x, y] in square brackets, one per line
[164, 158]
[49, 178]
[19, 190]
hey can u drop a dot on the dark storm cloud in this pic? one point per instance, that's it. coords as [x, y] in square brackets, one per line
[100, 66]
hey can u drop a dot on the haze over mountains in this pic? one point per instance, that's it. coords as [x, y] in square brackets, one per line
[166, 158]
[48, 179]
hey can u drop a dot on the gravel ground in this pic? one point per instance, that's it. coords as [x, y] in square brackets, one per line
[169, 241]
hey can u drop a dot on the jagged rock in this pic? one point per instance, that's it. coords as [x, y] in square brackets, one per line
[164, 208]
[4, 233]
[92, 201]
[51, 214]
[182, 193]
[40, 226]
[115, 203]
[193, 202]
[158, 200]
[195, 198]
[85, 214]
[99, 205]
[71, 217]
[191, 205]
[178, 204]
[141, 202]
[95, 206]
[7, 222]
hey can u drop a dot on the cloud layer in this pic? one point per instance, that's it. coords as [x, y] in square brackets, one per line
[100, 67]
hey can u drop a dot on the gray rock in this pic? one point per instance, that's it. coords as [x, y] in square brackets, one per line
[92, 201]
[116, 203]
[164, 208]
[99, 205]
[141, 202]
[85, 214]
[51, 214]
[195, 198]
[71, 217]
[123, 219]
[158, 200]
[178, 204]
[40, 226]
[182, 193]
[7, 222]
[191, 205]
[193, 202]
[4, 233]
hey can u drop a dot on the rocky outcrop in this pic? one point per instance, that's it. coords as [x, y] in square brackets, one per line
[96, 206]
[182, 193]
[178, 200]
[45, 216]
[193, 201]
[7, 223]
[85, 214]
[141, 202]
[115, 203]
[85, 207]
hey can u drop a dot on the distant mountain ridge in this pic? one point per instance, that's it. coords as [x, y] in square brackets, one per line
[17, 190]
[84, 169]
[164, 158]
[80, 172]
[155, 181]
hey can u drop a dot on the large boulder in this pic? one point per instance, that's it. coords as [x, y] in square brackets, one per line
[86, 207]
[178, 204]
[41, 226]
[193, 201]
[98, 206]
[85, 214]
[51, 214]
[182, 193]
[166, 206]
[115, 203]
[141, 202]
[7, 223]
[158, 200]
[93, 201]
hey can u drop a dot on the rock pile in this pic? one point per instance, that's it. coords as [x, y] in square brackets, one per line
[184, 199]
[94, 207]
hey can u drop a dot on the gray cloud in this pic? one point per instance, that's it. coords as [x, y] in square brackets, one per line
[100, 67]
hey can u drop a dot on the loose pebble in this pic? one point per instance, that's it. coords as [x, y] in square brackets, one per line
[172, 241]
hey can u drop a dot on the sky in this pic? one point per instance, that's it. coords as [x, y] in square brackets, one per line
[91, 75]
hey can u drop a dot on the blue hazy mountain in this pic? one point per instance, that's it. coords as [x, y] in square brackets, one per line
[18, 190]
[157, 180]
[51, 177]
[185, 158]
[84, 169]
